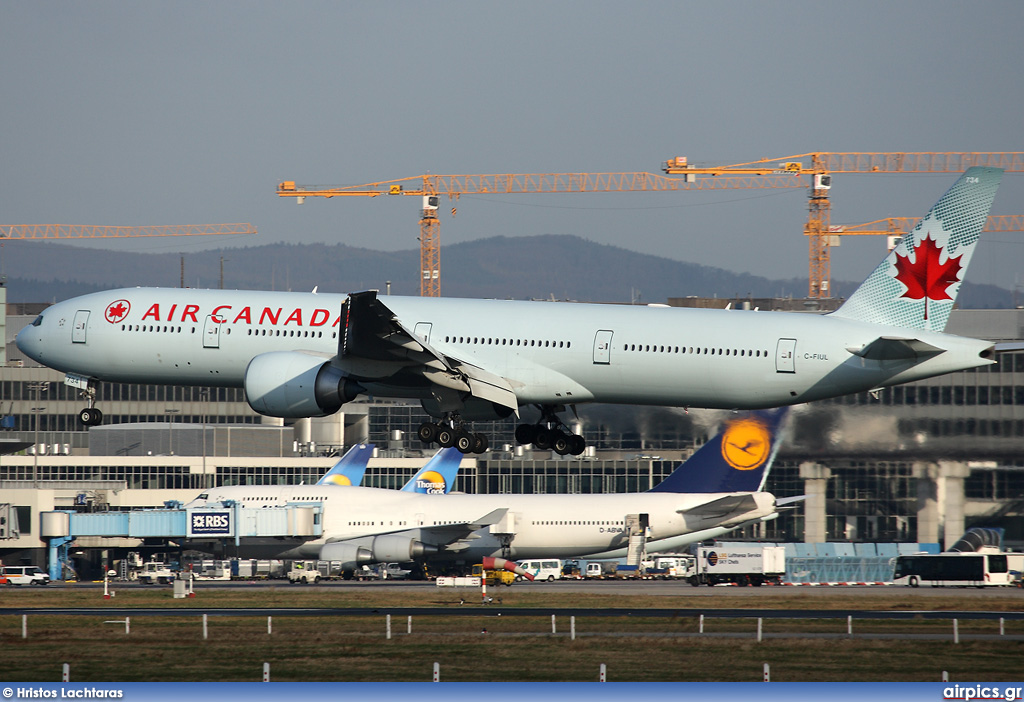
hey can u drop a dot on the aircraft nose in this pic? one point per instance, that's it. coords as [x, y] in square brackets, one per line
[29, 340]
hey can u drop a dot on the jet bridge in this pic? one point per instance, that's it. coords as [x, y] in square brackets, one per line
[229, 521]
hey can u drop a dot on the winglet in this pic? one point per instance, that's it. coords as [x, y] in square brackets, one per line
[737, 459]
[350, 469]
[917, 284]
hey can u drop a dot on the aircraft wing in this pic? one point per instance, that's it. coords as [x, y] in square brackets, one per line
[893, 348]
[375, 343]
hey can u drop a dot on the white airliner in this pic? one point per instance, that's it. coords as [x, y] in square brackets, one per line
[307, 354]
[718, 489]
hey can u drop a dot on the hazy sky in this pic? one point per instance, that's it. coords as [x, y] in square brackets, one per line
[137, 113]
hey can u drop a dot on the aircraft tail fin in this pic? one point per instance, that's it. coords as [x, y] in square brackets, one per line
[350, 468]
[917, 284]
[437, 477]
[737, 459]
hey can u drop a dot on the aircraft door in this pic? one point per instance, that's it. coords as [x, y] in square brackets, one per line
[422, 331]
[211, 333]
[785, 356]
[603, 347]
[78, 330]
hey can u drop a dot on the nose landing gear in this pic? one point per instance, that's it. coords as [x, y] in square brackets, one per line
[90, 416]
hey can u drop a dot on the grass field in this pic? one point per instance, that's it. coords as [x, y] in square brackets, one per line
[172, 648]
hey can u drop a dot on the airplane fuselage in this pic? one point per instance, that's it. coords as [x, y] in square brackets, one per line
[550, 353]
[540, 525]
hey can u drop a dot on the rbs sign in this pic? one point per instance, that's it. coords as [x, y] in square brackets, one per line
[209, 523]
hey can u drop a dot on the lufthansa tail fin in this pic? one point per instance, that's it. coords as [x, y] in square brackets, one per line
[437, 477]
[917, 284]
[737, 459]
[349, 470]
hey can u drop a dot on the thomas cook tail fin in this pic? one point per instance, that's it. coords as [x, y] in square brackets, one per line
[737, 459]
[349, 470]
[917, 284]
[437, 477]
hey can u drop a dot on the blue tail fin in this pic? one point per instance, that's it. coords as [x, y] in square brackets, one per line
[438, 476]
[917, 284]
[737, 459]
[349, 470]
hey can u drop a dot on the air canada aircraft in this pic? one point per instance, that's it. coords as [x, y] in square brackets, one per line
[718, 489]
[307, 354]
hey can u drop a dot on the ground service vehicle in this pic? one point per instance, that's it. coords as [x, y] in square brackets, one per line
[494, 577]
[304, 572]
[739, 564]
[24, 575]
[543, 569]
[953, 569]
[155, 572]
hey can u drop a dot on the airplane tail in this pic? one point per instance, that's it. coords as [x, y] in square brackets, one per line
[437, 477]
[917, 284]
[349, 470]
[737, 459]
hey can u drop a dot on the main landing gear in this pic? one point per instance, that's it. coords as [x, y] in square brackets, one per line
[451, 432]
[551, 434]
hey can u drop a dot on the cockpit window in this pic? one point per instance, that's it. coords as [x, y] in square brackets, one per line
[37, 321]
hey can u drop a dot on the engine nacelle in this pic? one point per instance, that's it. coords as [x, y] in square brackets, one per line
[399, 549]
[473, 410]
[350, 555]
[296, 384]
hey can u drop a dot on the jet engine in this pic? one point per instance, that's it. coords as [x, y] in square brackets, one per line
[350, 555]
[296, 384]
[388, 548]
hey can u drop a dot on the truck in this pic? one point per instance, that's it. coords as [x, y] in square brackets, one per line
[739, 564]
[304, 572]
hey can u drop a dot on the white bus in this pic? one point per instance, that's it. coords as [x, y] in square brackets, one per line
[953, 569]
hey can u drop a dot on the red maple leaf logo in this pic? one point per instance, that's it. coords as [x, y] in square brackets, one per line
[926, 278]
[116, 311]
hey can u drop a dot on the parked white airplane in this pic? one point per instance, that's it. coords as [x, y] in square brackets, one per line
[717, 490]
[296, 356]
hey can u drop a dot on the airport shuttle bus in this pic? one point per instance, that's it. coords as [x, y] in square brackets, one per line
[953, 569]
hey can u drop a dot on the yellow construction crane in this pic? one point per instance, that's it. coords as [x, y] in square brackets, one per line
[820, 166]
[431, 187]
[91, 231]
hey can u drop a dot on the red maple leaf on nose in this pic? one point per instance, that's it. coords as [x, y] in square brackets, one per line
[116, 311]
[926, 278]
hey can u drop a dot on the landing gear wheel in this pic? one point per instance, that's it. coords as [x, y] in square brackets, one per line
[464, 441]
[577, 445]
[90, 417]
[445, 437]
[544, 440]
[479, 443]
[427, 432]
[526, 433]
[561, 443]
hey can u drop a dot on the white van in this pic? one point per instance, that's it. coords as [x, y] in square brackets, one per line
[549, 569]
[25, 575]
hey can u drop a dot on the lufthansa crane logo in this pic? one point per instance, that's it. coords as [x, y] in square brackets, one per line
[746, 444]
[117, 310]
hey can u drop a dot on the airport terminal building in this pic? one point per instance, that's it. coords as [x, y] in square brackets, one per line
[914, 463]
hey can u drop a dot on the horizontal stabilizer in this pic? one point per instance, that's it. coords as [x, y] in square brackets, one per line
[1008, 346]
[789, 502]
[894, 348]
[723, 507]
